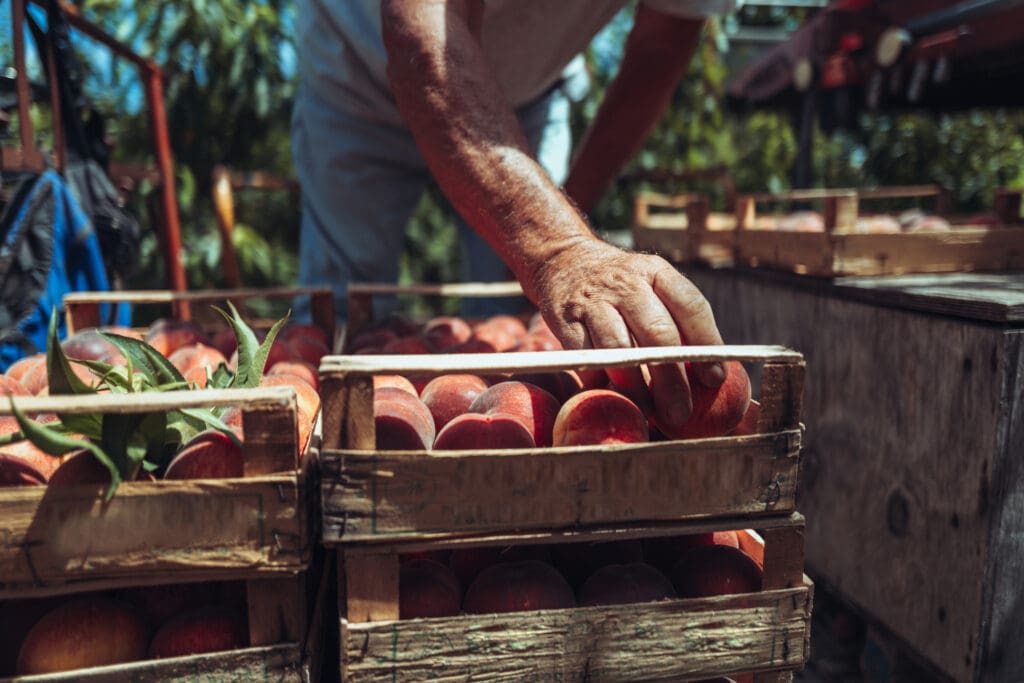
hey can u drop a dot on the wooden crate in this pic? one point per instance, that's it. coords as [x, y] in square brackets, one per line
[82, 309]
[683, 229]
[840, 250]
[62, 540]
[380, 496]
[672, 640]
[912, 474]
[286, 619]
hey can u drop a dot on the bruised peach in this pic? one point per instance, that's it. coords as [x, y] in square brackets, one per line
[427, 588]
[401, 420]
[206, 629]
[208, 455]
[449, 396]
[620, 584]
[518, 587]
[599, 416]
[533, 406]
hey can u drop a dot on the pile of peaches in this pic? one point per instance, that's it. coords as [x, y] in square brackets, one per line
[913, 220]
[200, 360]
[526, 410]
[49, 635]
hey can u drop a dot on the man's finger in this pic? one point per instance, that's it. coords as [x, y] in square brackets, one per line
[693, 317]
[609, 331]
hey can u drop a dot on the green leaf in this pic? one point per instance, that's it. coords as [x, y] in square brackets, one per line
[211, 421]
[252, 356]
[221, 378]
[56, 443]
[151, 363]
[62, 379]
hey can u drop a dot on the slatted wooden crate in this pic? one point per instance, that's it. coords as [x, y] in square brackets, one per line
[82, 309]
[61, 540]
[673, 640]
[840, 250]
[683, 229]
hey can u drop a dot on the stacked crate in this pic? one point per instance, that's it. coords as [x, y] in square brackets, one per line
[378, 505]
[683, 229]
[255, 534]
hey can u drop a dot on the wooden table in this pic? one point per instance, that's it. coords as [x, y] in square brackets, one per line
[913, 474]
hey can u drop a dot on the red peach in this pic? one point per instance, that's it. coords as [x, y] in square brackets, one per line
[226, 342]
[395, 382]
[12, 387]
[197, 356]
[501, 326]
[599, 416]
[620, 584]
[473, 431]
[407, 346]
[303, 331]
[199, 376]
[562, 384]
[84, 632]
[307, 397]
[402, 421]
[79, 467]
[232, 417]
[467, 563]
[518, 587]
[427, 588]
[538, 342]
[715, 411]
[715, 570]
[665, 551]
[444, 332]
[208, 455]
[577, 561]
[299, 368]
[167, 336]
[35, 377]
[748, 425]
[449, 396]
[207, 629]
[19, 367]
[160, 603]
[529, 403]
[17, 471]
[308, 349]
[377, 339]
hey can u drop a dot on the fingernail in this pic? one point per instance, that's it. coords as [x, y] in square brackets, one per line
[717, 373]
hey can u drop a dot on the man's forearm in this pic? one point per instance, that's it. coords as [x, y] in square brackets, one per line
[657, 54]
[469, 136]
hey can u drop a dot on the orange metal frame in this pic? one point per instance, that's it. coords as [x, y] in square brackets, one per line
[28, 157]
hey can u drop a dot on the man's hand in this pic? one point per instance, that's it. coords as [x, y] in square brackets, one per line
[595, 295]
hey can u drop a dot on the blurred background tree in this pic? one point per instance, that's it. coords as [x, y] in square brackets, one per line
[231, 74]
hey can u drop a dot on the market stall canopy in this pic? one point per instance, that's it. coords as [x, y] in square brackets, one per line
[941, 54]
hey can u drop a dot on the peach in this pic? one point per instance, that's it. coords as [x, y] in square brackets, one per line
[715, 570]
[599, 416]
[31, 457]
[803, 221]
[19, 367]
[444, 332]
[79, 467]
[396, 382]
[538, 324]
[449, 396]
[161, 603]
[167, 336]
[716, 411]
[18, 471]
[293, 331]
[226, 342]
[84, 632]
[87, 344]
[308, 349]
[533, 406]
[577, 561]
[35, 377]
[19, 617]
[197, 356]
[748, 425]
[198, 376]
[475, 345]
[427, 588]
[467, 563]
[12, 387]
[536, 341]
[232, 417]
[406, 346]
[877, 224]
[299, 368]
[208, 455]
[472, 431]
[207, 629]
[663, 552]
[562, 384]
[518, 587]
[619, 584]
[402, 421]
[377, 339]
[441, 556]
[501, 327]
[307, 397]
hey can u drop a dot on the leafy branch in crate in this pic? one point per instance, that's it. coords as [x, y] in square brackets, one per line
[129, 443]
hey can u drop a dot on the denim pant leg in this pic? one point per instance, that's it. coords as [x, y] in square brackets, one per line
[546, 124]
[361, 182]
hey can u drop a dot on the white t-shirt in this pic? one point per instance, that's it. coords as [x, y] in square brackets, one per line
[528, 44]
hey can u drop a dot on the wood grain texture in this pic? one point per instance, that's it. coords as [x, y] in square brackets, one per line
[255, 664]
[369, 495]
[669, 640]
[277, 610]
[911, 479]
[371, 587]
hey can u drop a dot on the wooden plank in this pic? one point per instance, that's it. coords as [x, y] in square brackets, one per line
[277, 663]
[897, 472]
[261, 398]
[156, 296]
[783, 557]
[459, 289]
[271, 438]
[548, 361]
[371, 588]
[393, 494]
[782, 390]
[674, 639]
[58, 539]
[277, 610]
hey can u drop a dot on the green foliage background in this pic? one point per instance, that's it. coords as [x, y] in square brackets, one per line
[230, 79]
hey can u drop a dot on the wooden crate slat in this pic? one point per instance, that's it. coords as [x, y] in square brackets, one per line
[370, 496]
[670, 639]
[277, 610]
[277, 663]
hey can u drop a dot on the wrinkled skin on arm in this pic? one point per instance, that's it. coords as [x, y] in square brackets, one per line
[591, 294]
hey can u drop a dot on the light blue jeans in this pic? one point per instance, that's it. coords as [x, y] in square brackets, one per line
[362, 180]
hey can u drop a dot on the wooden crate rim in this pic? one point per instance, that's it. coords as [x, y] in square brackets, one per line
[463, 289]
[145, 402]
[168, 296]
[541, 361]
